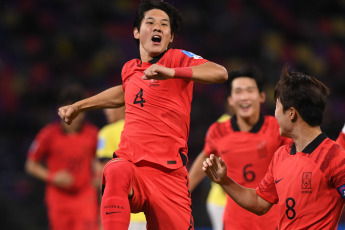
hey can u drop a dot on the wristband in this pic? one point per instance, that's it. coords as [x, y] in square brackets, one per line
[183, 73]
[50, 178]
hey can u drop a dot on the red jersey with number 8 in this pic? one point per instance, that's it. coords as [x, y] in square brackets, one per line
[307, 186]
[157, 112]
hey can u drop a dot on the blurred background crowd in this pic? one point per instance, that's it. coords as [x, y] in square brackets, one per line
[45, 45]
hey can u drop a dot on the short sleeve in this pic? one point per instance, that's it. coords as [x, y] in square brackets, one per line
[192, 59]
[341, 140]
[338, 167]
[126, 71]
[267, 189]
[39, 148]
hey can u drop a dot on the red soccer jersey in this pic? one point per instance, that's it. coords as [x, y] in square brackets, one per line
[341, 140]
[304, 185]
[73, 153]
[247, 156]
[157, 112]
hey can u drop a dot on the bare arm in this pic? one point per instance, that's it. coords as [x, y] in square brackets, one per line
[196, 174]
[36, 169]
[61, 178]
[247, 198]
[207, 73]
[110, 98]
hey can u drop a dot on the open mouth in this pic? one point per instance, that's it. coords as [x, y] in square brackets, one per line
[245, 107]
[156, 39]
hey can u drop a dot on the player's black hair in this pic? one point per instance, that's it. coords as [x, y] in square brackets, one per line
[303, 92]
[250, 71]
[70, 94]
[146, 5]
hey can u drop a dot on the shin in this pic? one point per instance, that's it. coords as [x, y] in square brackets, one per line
[115, 209]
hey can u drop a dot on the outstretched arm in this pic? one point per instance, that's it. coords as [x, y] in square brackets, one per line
[247, 198]
[196, 174]
[110, 98]
[208, 72]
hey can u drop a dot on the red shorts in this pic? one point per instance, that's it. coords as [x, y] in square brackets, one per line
[74, 212]
[163, 195]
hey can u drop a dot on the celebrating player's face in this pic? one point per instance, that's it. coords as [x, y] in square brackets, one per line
[282, 118]
[245, 97]
[154, 34]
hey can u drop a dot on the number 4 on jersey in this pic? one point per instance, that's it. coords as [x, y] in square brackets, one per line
[139, 98]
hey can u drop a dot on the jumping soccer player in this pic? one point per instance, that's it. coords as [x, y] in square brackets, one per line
[148, 172]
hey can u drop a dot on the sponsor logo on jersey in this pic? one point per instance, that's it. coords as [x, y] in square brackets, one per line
[341, 190]
[191, 55]
[277, 181]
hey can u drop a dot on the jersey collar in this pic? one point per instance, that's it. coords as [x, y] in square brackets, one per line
[256, 128]
[154, 60]
[157, 58]
[312, 145]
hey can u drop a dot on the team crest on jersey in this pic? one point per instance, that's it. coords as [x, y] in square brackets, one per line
[306, 182]
[341, 190]
[154, 83]
[191, 55]
[262, 150]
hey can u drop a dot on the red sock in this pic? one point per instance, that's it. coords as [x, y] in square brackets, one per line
[115, 213]
[115, 209]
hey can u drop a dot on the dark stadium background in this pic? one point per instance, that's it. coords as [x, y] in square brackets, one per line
[46, 44]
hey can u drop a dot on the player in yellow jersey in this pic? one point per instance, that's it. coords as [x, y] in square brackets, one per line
[108, 140]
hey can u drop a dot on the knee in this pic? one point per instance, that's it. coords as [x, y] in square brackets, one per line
[118, 174]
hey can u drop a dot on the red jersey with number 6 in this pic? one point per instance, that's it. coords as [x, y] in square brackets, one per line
[308, 187]
[247, 156]
[157, 112]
